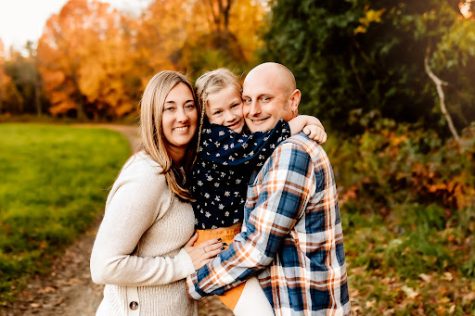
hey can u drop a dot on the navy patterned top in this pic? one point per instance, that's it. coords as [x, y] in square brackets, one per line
[223, 168]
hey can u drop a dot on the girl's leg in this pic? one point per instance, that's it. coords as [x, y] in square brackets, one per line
[253, 301]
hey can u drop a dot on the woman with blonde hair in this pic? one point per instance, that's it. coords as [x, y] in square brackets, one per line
[144, 246]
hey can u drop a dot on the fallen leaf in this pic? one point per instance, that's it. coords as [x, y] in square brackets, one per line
[425, 277]
[74, 281]
[468, 297]
[370, 304]
[441, 310]
[452, 309]
[59, 301]
[448, 276]
[47, 289]
[409, 292]
[354, 293]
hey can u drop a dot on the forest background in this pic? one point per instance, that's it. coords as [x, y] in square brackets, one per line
[392, 81]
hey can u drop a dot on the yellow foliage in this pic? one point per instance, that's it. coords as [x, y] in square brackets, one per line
[95, 58]
[371, 16]
[360, 29]
[124, 108]
[64, 106]
[53, 79]
[247, 20]
[84, 57]
[396, 140]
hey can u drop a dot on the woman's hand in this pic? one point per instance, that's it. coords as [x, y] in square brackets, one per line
[205, 252]
[310, 125]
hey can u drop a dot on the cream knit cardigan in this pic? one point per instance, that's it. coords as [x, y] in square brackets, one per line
[138, 251]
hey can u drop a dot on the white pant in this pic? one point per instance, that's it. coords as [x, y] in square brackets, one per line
[253, 301]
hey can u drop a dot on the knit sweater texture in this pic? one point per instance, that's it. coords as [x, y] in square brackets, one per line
[138, 251]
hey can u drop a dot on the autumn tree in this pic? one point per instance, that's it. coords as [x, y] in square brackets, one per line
[2, 77]
[84, 61]
[94, 61]
[22, 69]
[221, 33]
[194, 36]
[10, 99]
[248, 21]
[160, 32]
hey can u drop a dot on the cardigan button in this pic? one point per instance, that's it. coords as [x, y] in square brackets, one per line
[134, 305]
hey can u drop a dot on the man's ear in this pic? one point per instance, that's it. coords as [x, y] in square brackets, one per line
[294, 100]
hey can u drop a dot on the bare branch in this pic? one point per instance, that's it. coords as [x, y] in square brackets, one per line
[226, 13]
[440, 91]
[215, 13]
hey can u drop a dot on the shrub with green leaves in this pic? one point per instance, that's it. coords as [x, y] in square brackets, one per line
[421, 188]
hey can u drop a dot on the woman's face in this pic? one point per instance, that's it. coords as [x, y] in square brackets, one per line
[225, 108]
[179, 118]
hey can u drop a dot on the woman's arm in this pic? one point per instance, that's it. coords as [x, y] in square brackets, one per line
[139, 196]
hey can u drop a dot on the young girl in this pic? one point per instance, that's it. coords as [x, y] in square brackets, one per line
[227, 156]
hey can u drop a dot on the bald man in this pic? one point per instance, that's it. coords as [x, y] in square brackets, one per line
[291, 237]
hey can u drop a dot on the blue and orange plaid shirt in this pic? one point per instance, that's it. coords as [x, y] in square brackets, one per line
[291, 237]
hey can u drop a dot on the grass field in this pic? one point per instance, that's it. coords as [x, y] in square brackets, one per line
[53, 183]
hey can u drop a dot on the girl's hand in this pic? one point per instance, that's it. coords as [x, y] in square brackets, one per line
[316, 133]
[203, 253]
[309, 125]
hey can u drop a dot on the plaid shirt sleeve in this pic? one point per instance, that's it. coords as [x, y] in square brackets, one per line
[285, 188]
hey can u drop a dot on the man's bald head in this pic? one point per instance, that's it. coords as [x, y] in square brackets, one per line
[278, 73]
[269, 94]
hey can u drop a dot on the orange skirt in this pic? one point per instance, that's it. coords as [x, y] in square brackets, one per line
[231, 297]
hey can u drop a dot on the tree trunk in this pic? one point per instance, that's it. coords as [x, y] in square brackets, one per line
[38, 106]
[81, 114]
[1, 94]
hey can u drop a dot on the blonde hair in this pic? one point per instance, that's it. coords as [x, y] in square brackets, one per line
[151, 130]
[211, 82]
[214, 81]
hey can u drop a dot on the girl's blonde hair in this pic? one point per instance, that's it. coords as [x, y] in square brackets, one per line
[151, 129]
[214, 81]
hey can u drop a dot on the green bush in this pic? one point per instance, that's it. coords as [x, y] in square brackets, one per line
[408, 214]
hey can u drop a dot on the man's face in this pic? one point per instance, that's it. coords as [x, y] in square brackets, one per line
[266, 101]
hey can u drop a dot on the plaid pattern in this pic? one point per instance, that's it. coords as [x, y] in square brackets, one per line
[292, 235]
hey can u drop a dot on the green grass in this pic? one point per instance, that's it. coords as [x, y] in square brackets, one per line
[404, 272]
[53, 183]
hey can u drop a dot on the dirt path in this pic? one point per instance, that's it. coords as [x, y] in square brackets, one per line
[68, 289]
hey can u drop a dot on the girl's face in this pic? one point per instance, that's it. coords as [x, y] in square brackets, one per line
[179, 118]
[225, 108]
